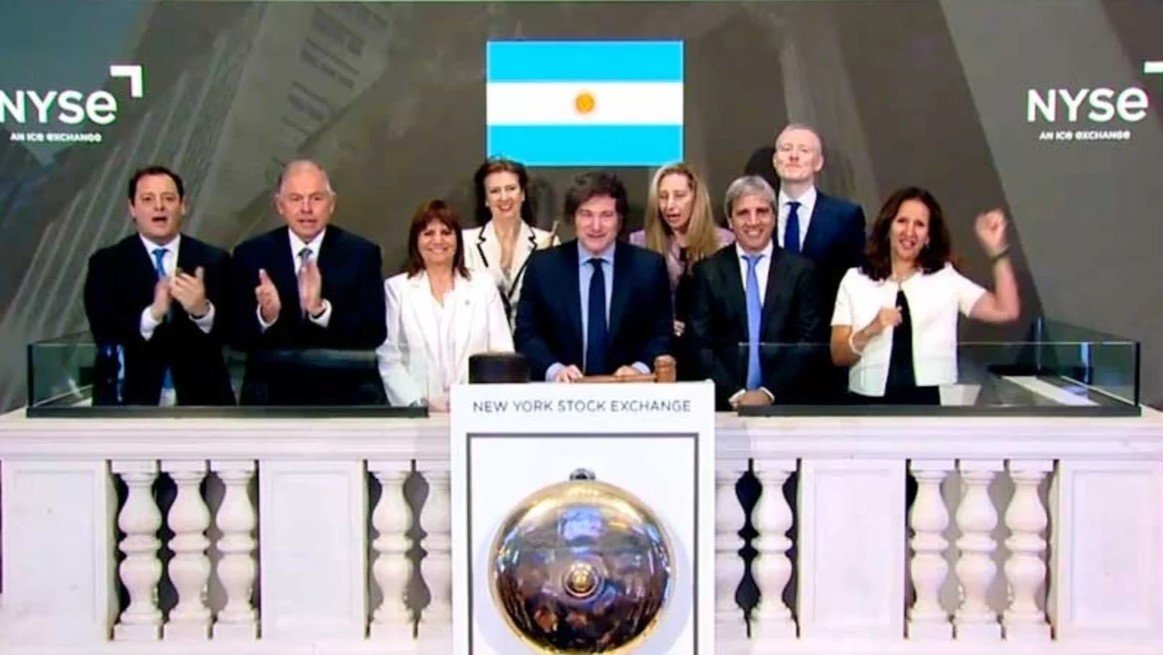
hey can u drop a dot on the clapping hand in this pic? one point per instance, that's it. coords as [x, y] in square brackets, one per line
[190, 291]
[311, 288]
[267, 296]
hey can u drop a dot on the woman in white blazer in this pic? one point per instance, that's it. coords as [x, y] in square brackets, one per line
[438, 314]
[501, 245]
[895, 321]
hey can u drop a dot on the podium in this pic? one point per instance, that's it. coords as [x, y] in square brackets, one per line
[655, 441]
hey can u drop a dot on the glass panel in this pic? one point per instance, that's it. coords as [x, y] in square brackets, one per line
[1064, 370]
[72, 376]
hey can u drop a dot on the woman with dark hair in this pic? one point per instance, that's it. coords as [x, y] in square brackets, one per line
[501, 245]
[438, 314]
[895, 321]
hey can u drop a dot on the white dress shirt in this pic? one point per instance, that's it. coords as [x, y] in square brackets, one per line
[170, 266]
[934, 302]
[297, 245]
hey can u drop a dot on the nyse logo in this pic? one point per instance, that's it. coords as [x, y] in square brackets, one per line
[70, 107]
[1098, 105]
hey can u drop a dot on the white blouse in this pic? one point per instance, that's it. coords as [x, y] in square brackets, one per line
[934, 301]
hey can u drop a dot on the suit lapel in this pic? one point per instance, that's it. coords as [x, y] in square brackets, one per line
[572, 292]
[621, 293]
[732, 284]
[773, 299]
[818, 228]
[462, 303]
[283, 272]
[140, 268]
[488, 247]
[421, 306]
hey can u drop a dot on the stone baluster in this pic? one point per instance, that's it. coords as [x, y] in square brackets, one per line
[730, 626]
[190, 568]
[392, 568]
[436, 567]
[976, 519]
[928, 519]
[1025, 571]
[141, 569]
[772, 518]
[236, 570]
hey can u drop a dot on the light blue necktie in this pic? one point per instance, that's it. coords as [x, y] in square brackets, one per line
[159, 255]
[754, 311]
[791, 232]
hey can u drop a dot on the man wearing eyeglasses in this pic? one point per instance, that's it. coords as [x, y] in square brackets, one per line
[308, 285]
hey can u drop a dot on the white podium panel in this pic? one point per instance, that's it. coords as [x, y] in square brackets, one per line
[313, 552]
[1106, 568]
[852, 548]
[58, 550]
[655, 441]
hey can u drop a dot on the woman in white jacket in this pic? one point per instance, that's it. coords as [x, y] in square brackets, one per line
[437, 314]
[895, 321]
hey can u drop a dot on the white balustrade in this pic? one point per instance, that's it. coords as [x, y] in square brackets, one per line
[190, 567]
[928, 518]
[771, 568]
[1080, 552]
[976, 518]
[237, 621]
[392, 567]
[730, 626]
[1025, 571]
[141, 569]
[436, 567]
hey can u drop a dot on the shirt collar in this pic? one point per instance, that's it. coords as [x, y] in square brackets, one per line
[606, 255]
[170, 246]
[315, 244]
[766, 252]
[806, 199]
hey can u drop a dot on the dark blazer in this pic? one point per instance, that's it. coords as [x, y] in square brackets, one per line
[835, 243]
[281, 367]
[549, 328]
[835, 239]
[119, 285]
[718, 323]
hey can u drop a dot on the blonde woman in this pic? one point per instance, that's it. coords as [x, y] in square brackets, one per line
[680, 226]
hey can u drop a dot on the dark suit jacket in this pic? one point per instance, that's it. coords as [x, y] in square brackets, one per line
[284, 366]
[835, 239]
[549, 328]
[718, 324]
[119, 285]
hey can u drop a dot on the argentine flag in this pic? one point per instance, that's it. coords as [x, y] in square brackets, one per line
[585, 103]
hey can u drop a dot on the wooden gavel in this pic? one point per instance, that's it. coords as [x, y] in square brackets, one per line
[664, 371]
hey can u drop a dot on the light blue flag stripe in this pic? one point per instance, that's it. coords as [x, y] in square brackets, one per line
[584, 61]
[587, 145]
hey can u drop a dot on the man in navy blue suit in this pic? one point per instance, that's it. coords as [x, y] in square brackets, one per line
[825, 229]
[304, 288]
[156, 305]
[594, 305]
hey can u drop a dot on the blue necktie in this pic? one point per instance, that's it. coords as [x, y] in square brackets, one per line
[597, 334]
[754, 311]
[791, 232]
[159, 255]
